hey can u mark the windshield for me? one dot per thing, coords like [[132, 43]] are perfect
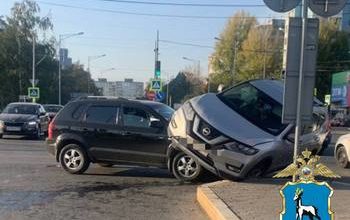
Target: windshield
[[164, 111], [255, 106], [52, 108], [20, 109]]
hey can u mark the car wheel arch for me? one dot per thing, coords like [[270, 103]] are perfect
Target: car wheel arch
[[65, 141], [171, 153]]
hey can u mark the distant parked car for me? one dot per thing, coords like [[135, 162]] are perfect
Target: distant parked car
[[21, 118], [52, 110], [342, 151], [238, 133], [110, 131]]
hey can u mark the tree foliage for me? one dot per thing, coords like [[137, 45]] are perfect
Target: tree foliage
[[17, 33], [333, 55], [229, 42], [261, 54]]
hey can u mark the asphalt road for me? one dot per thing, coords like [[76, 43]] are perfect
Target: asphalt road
[[33, 187]]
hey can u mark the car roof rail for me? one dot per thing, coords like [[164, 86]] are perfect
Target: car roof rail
[[101, 98]]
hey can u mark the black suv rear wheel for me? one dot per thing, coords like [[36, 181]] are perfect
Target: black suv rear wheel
[[73, 159], [185, 168]]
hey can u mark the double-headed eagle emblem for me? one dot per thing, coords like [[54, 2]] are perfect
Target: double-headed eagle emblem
[[307, 166]]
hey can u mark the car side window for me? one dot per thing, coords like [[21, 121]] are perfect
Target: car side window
[[136, 117], [101, 114]]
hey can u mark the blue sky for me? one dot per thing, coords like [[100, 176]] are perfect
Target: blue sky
[[128, 40]]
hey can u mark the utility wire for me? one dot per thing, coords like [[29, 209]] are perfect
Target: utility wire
[[187, 4], [185, 44], [137, 13]]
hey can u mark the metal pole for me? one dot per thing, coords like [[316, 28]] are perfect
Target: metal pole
[[59, 70], [33, 70], [167, 90], [301, 76], [88, 80]]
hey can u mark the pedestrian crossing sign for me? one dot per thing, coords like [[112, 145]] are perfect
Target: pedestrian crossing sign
[[156, 85], [34, 92]]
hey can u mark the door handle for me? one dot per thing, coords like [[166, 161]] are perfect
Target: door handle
[[85, 129]]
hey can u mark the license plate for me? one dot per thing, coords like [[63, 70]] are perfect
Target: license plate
[[11, 128]]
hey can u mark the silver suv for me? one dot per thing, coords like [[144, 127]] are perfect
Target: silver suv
[[238, 132]]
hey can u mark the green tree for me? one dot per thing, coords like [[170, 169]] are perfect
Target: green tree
[[17, 33], [333, 55], [228, 46], [261, 54]]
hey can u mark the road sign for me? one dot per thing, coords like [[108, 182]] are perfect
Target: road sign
[[156, 85], [291, 83], [282, 5], [160, 96], [327, 8], [34, 92], [151, 95]]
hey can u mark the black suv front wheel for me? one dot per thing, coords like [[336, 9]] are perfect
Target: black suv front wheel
[[185, 168], [73, 159]]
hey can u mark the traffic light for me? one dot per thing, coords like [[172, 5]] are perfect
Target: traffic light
[[157, 70]]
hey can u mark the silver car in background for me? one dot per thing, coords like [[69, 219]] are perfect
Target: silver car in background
[[238, 133]]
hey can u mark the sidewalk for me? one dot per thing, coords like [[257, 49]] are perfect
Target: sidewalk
[[260, 199]]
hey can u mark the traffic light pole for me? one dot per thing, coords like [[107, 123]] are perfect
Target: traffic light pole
[[156, 51], [33, 68]]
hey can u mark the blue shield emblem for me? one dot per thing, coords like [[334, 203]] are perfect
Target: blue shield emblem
[[306, 200]]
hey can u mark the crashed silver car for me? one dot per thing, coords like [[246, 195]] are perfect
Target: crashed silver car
[[238, 133]]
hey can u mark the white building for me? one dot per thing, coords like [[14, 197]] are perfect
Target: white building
[[125, 89]]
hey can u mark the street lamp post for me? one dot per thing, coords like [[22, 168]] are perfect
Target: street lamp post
[[195, 61], [91, 58], [60, 39]]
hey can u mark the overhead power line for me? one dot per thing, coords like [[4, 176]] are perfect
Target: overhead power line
[[137, 13], [185, 44], [187, 4]]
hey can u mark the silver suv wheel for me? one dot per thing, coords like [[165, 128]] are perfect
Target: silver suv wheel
[[186, 166], [73, 159]]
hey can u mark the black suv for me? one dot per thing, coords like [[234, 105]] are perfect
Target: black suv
[[109, 131]]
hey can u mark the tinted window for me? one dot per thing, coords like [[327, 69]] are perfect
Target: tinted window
[[52, 108], [164, 111], [78, 112], [135, 117], [255, 106], [101, 114], [21, 109]]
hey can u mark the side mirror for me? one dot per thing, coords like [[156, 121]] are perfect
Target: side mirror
[[155, 123]]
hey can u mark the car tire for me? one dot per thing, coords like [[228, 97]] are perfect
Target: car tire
[[105, 164], [186, 168], [342, 158], [258, 170], [74, 159]]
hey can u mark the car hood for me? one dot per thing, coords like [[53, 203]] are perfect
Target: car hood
[[17, 117], [211, 109]]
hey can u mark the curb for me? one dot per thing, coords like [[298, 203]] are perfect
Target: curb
[[213, 206]]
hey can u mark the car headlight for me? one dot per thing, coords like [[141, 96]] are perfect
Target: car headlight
[[188, 111], [2, 124], [240, 148], [32, 123]]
